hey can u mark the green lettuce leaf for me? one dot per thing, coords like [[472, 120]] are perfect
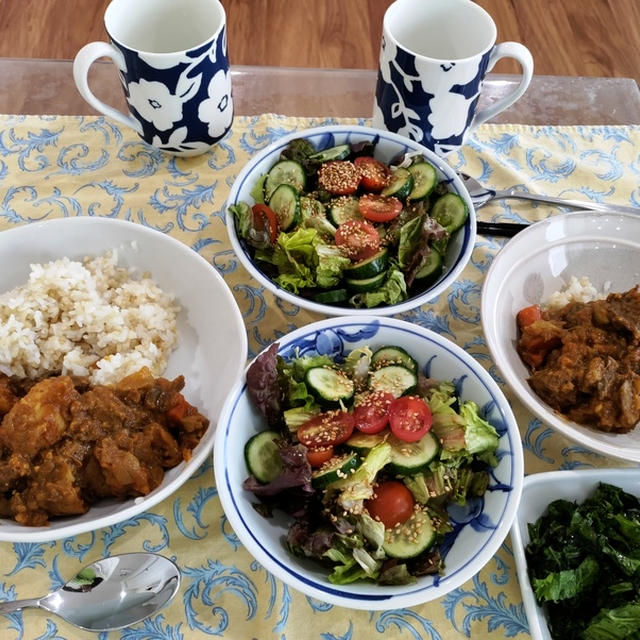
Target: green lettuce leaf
[[568, 583], [615, 624], [331, 264], [358, 486], [257, 192], [295, 257], [242, 214], [479, 435], [410, 238]]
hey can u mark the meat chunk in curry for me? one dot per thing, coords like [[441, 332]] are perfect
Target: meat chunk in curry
[[584, 359], [64, 445]]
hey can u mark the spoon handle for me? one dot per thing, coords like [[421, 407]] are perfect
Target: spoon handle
[[18, 605], [574, 204]]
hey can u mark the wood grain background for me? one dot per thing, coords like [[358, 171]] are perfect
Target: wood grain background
[[566, 37]]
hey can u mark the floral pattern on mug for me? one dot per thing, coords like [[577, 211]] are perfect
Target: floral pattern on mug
[[431, 106], [182, 108], [155, 103], [216, 110]]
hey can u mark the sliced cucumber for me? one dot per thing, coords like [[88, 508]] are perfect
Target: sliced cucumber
[[343, 209], [262, 457], [312, 208], [400, 184], [339, 152], [362, 443], [284, 172], [368, 267], [337, 468], [285, 203], [332, 296], [450, 210], [411, 538], [362, 285], [329, 385], [430, 271], [394, 379], [393, 355], [408, 458], [425, 178]]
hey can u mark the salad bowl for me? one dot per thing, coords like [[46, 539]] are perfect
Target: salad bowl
[[389, 148], [478, 528], [540, 261]]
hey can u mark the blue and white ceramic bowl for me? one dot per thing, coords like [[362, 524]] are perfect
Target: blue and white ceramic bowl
[[480, 529], [388, 146]]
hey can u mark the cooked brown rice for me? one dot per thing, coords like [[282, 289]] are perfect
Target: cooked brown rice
[[89, 318]]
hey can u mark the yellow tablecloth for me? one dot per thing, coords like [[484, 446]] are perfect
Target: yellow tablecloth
[[86, 166]]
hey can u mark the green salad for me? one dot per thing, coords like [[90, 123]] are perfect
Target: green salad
[[366, 455], [584, 565], [338, 226]]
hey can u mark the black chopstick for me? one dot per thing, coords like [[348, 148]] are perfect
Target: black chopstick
[[506, 229]]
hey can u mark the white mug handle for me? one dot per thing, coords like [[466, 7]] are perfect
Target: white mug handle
[[81, 63], [507, 50]]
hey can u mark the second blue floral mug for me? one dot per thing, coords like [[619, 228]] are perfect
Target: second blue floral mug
[[174, 67], [433, 59]]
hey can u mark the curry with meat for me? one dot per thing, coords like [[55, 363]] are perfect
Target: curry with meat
[[584, 359], [65, 444]]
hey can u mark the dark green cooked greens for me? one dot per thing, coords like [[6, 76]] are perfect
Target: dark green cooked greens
[[584, 566]]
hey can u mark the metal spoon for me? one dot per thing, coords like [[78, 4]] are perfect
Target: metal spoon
[[111, 593], [481, 195]]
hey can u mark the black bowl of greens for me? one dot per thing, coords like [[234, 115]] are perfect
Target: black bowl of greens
[[351, 220]]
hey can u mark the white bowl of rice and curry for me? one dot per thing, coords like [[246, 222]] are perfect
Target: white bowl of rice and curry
[[109, 393], [561, 316]]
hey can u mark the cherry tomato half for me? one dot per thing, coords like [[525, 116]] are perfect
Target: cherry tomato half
[[393, 503], [371, 413], [318, 456], [374, 174], [340, 177], [265, 218], [358, 238], [379, 208], [409, 418], [327, 429]]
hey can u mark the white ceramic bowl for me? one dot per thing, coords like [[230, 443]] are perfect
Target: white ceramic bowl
[[388, 146], [212, 337], [535, 263], [539, 490], [473, 547]]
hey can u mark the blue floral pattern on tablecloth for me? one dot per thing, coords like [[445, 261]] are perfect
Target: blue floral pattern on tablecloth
[[86, 166]]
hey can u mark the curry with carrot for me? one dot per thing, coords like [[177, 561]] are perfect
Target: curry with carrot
[[65, 444], [584, 359]]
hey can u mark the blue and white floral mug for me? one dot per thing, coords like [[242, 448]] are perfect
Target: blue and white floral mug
[[172, 60], [433, 59]]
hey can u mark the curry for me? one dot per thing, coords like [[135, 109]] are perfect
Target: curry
[[584, 359], [65, 444]]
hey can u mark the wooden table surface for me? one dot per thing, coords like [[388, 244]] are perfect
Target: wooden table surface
[[595, 38]]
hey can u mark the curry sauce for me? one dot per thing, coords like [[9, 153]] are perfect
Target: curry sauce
[[584, 359], [65, 444]]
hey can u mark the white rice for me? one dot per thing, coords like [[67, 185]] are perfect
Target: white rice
[[577, 290], [89, 318]]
